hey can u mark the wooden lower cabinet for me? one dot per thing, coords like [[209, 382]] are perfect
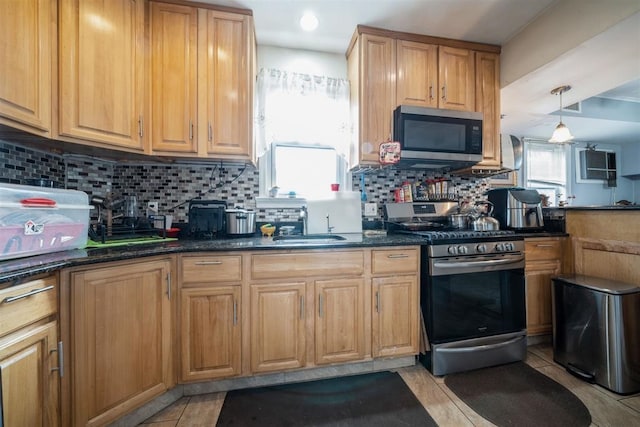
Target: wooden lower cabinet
[[543, 260], [120, 350], [210, 332], [395, 316], [339, 320], [29, 378], [278, 326]]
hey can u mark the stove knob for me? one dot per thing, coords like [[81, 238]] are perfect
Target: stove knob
[[500, 247], [481, 248], [462, 250], [452, 250], [508, 246]]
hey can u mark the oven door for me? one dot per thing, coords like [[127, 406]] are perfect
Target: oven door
[[475, 296]]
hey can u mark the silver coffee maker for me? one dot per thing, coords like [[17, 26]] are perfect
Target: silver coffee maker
[[517, 208]]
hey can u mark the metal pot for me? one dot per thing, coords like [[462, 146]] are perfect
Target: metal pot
[[460, 220], [240, 221]]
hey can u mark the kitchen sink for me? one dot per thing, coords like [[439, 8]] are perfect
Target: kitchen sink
[[309, 239]]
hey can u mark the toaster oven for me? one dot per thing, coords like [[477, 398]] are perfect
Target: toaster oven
[[206, 218]]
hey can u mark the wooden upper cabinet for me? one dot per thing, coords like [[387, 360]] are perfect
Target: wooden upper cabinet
[[456, 78], [488, 103], [174, 60], [27, 40], [417, 78], [372, 72], [102, 71], [224, 76]]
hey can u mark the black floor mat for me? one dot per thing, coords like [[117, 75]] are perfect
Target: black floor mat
[[377, 399], [518, 395]]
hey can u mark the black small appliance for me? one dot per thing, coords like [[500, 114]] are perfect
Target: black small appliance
[[206, 218]]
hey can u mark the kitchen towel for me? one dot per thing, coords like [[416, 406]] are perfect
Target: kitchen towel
[[378, 399], [517, 395]]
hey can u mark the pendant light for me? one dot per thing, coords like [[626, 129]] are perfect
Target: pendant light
[[561, 134]]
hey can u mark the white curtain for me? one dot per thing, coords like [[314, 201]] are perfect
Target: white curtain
[[301, 108]]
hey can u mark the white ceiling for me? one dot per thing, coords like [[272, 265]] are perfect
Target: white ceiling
[[607, 64]]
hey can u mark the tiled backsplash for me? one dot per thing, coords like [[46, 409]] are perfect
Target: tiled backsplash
[[174, 185]]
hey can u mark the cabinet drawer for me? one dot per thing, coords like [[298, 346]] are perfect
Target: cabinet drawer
[[211, 268], [542, 249], [388, 261], [303, 264], [27, 303]]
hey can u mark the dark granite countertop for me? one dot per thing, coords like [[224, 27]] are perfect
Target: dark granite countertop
[[24, 267]]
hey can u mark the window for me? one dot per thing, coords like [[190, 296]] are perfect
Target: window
[[302, 133], [546, 170]]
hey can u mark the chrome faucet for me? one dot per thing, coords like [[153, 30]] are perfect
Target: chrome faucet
[[329, 227], [303, 217]]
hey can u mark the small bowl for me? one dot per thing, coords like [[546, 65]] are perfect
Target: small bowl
[[268, 230], [172, 232]]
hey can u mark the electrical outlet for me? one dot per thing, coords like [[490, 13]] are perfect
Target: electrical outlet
[[370, 209], [153, 206]]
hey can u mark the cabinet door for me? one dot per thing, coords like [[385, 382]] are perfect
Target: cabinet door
[[538, 281], [456, 78], [26, 36], [210, 332], [225, 110], [174, 32], [395, 323], [339, 320], [102, 71], [29, 385], [417, 82], [488, 103], [378, 94], [277, 327], [121, 349]]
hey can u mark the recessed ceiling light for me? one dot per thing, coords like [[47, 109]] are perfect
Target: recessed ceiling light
[[309, 22]]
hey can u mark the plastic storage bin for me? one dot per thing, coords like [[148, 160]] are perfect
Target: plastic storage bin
[[37, 220], [596, 330]]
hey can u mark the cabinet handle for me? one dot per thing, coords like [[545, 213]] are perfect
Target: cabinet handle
[[235, 312], [169, 285], [210, 132], [319, 305], [27, 294], [544, 246], [394, 256], [431, 92], [208, 263], [190, 129], [140, 125], [444, 93], [377, 302], [60, 367], [301, 307]]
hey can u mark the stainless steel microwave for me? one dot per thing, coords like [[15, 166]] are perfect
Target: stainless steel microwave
[[433, 138]]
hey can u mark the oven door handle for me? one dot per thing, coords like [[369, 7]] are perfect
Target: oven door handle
[[488, 263], [480, 347]]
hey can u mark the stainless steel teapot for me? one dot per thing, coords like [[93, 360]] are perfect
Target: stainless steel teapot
[[480, 220]]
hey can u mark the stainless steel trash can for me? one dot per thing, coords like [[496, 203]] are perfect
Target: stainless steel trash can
[[596, 330]]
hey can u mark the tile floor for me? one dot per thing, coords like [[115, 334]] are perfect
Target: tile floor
[[606, 408]]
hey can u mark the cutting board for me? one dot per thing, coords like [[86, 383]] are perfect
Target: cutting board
[[344, 210]]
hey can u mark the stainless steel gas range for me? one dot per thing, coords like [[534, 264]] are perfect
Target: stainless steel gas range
[[472, 292]]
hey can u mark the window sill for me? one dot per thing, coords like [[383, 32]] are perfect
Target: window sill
[[279, 202]]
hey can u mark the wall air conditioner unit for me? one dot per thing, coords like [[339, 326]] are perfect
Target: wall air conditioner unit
[[598, 165]]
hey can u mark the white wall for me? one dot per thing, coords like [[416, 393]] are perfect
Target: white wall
[[303, 61], [597, 193]]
